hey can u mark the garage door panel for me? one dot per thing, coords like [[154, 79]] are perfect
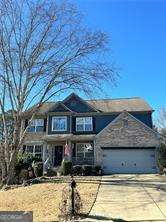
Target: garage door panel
[[129, 161]]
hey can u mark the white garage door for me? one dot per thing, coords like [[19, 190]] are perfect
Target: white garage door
[[129, 161]]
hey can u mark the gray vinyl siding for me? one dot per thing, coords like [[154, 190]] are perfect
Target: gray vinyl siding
[[99, 122]]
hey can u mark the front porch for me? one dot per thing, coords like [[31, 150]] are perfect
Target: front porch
[[81, 150]]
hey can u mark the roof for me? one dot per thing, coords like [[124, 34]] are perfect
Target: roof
[[135, 104], [44, 108], [63, 137]]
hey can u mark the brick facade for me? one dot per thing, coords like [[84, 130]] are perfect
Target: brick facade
[[124, 131]]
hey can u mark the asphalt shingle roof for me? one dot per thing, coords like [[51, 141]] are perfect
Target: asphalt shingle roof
[[119, 105], [135, 104]]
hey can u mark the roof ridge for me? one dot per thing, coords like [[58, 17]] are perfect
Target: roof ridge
[[137, 97]]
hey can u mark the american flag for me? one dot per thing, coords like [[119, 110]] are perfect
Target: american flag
[[67, 150]]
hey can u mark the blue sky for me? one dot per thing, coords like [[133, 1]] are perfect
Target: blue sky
[[138, 45]]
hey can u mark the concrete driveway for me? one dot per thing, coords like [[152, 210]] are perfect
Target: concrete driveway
[[130, 198]]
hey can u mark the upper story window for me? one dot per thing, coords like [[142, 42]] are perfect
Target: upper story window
[[59, 123], [36, 125], [84, 124]]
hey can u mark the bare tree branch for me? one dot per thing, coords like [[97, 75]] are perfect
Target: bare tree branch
[[44, 49]]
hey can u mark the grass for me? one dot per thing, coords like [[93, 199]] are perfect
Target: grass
[[43, 199]]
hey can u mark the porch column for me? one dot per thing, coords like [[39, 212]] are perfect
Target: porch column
[[70, 145], [50, 153], [45, 152]]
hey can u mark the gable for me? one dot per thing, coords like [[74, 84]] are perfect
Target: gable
[[127, 131], [77, 104]]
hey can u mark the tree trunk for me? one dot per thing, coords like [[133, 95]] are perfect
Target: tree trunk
[[11, 169], [3, 165], [4, 172]]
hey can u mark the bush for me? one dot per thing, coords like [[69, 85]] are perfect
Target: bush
[[97, 170], [87, 170], [25, 160], [77, 170], [51, 173], [38, 169], [23, 175], [66, 167], [162, 157]]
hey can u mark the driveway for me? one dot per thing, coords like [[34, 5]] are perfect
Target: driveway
[[130, 198]]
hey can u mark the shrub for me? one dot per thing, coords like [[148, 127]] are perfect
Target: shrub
[[97, 169], [23, 175], [31, 173], [38, 169], [66, 167], [77, 170], [162, 157], [51, 173], [87, 170], [25, 160]]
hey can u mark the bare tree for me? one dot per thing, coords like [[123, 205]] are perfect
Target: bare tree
[[44, 49], [161, 121]]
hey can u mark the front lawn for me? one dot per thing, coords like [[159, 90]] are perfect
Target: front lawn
[[43, 199]]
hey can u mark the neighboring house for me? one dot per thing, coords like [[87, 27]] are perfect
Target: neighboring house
[[114, 133]]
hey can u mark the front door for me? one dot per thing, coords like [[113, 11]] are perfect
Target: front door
[[58, 155]]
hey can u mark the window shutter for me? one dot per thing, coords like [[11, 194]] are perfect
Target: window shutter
[[94, 124], [45, 124], [74, 124], [26, 123], [74, 150]]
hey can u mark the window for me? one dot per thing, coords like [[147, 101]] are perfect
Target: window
[[36, 125], [36, 150], [29, 149], [59, 123], [84, 124], [84, 150]]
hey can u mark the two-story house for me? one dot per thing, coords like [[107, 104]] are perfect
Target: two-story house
[[114, 133]]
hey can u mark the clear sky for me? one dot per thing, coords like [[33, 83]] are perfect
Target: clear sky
[[138, 43]]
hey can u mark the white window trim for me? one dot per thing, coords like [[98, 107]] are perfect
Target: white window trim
[[84, 148], [84, 130], [34, 146], [35, 125], [57, 117]]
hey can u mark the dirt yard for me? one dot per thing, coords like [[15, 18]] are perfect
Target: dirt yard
[[43, 199]]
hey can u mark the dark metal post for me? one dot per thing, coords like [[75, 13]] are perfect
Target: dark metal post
[[72, 201], [73, 186]]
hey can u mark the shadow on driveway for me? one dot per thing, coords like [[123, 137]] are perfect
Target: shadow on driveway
[[104, 218]]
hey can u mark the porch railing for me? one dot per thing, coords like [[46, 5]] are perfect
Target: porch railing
[[83, 161]]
